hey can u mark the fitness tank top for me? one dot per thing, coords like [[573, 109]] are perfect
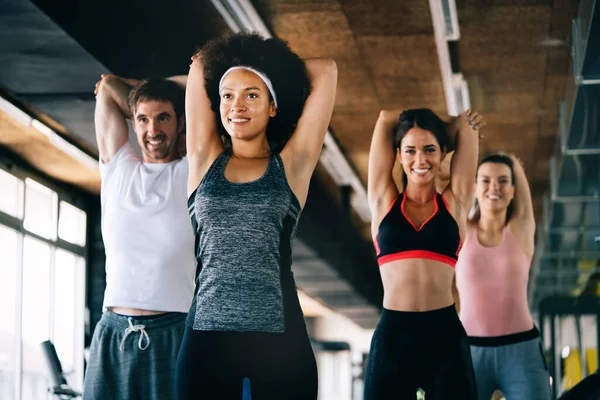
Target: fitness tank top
[[492, 283], [244, 233]]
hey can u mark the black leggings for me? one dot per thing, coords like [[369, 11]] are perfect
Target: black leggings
[[427, 350], [214, 365]]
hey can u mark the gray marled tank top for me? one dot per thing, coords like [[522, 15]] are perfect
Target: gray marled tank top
[[243, 244]]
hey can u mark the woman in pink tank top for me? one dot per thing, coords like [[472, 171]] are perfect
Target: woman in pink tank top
[[492, 273]]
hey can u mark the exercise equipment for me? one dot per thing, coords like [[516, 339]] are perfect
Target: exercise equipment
[[59, 386]]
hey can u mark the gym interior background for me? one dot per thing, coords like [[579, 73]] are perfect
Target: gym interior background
[[532, 67]]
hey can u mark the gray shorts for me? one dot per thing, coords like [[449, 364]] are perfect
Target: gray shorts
[[130, 362], [513, 364]]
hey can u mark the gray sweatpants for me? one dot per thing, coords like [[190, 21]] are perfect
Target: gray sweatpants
[[124, 365], [518, 370]]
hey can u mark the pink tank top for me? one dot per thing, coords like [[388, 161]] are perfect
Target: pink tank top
[[492, 283]]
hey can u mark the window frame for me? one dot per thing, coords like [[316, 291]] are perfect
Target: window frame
[[68, 193], [76, 197]]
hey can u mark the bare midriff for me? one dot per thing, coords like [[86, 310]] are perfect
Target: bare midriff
[[417, 285], [134, 312]]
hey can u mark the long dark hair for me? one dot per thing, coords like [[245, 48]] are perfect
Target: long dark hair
[[497, 158], [422, 118]]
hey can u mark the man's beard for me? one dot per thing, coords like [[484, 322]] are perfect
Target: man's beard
[[164, 151]]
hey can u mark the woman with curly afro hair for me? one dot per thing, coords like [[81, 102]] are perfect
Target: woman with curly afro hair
[[256, 120]]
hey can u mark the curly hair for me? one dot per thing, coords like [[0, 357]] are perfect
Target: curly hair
[[422, 118], [272, 57]]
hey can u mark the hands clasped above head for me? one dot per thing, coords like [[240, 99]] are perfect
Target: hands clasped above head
[[472, 118], [476, 120], [108, 77]]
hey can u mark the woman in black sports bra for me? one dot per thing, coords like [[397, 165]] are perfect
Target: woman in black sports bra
[[420, 342]]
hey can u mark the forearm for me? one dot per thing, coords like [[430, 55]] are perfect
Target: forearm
[[452, 133], [180, 80], [382, 155], [384, 129], [466, 149], [522, 201], [382, 144], [463, 165], [453, 128], [320, 68], [391, 118], [197, 102], [456, 125], [117, 91], [201, 128], [110, 125]]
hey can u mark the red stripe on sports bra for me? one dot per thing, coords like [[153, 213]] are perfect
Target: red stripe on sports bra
[[430, 255], [435, 202]]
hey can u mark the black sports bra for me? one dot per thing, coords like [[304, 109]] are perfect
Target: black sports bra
[[438, 238]]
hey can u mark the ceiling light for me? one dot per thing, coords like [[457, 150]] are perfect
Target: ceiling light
[[15, 112], [445, 28], [54, 138]]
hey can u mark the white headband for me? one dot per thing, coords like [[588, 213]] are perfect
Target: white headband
[[262, 76]]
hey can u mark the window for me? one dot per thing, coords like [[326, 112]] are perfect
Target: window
[[40, 209], [42, 289], [71, 224], [11, 201], [66, 276], [9, 245], [35, 323]]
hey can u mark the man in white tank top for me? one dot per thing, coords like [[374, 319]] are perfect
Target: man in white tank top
[[149, 242]]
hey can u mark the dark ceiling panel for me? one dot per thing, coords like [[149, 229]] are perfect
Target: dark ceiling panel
[[138, 39], [36, 56]]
